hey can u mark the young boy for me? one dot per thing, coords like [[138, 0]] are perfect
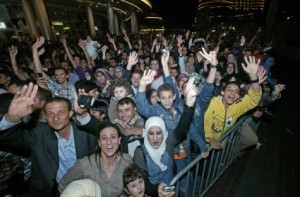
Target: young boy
[[134, 183], [133, 180]]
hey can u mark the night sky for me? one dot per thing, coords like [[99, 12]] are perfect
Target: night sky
[[181, 13]]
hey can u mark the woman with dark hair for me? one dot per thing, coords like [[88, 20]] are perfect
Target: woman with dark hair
[[105, 166]]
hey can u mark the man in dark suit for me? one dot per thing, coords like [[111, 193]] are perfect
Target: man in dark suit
[[54, 146]]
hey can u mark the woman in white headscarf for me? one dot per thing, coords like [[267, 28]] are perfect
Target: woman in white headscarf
[[155, 156], [82, 187]]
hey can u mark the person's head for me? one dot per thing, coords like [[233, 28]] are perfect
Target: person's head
[[5, 77], [155, 134], [181, 79], [230, 57], [76, 59], [89, 87], [113, 62], [136, 78], [230, 68], [16, 85], [58, 113], [154, 64], [121, 88], [61, 75], [41, 98], [133, 181], [82, 187], [100, 110], [83, 63], [65, 64], [102, 76], [218, 76], [5, 100], [111, 70], [119, 70], [166, 95], [151, 96], [230, 93], [189, 67], [109, 140], [126, 109], [174, 72]]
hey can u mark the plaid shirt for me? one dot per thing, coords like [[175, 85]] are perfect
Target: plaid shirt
[[58, 90]]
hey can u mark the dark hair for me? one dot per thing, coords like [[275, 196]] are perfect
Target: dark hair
[[19, 83], [5, 100], [86, 85], [132, 173], [100, 106], [58, 99], [101, 127], [148, 95], [126, 100], [44, 95], [232, 82], [61, 68], [165, 87]]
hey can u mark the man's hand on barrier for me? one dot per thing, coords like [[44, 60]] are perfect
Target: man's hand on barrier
[[205, 154], [162, 193], [214, 143]]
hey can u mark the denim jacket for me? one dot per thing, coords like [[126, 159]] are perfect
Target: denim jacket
[[146, 110], [196, 132]]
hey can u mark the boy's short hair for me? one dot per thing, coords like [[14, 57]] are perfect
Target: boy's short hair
[[132, 173], [165, 87]]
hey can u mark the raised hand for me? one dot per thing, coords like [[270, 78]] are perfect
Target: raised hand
[[190, 93], [261, 74], [211, 57], [278, 88], [252, 65], [13, 51], [22, 103], [39, 42], [41, 51], [79, 110], [132, 60], [148, 77], [81, 44]]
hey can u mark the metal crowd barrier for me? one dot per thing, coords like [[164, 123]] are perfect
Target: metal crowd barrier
[[201, 173]]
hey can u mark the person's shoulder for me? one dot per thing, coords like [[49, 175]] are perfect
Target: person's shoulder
[[126, 157]]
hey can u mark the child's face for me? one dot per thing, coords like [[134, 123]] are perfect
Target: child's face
[[166, 98], [120, 92], [136, 188]]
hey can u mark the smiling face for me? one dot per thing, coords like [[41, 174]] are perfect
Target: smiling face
[[58, 115], [136, 188], [230, 94], [61, 76], [109, 141], [155, 136], [166, 98], [126, 112], [120, 92]]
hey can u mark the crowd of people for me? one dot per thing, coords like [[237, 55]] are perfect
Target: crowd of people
[[148, 105]]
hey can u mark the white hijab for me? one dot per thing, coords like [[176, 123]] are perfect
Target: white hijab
[[156, 154], [82, 187]]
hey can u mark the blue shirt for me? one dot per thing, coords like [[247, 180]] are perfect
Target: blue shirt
[[66, 154]]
